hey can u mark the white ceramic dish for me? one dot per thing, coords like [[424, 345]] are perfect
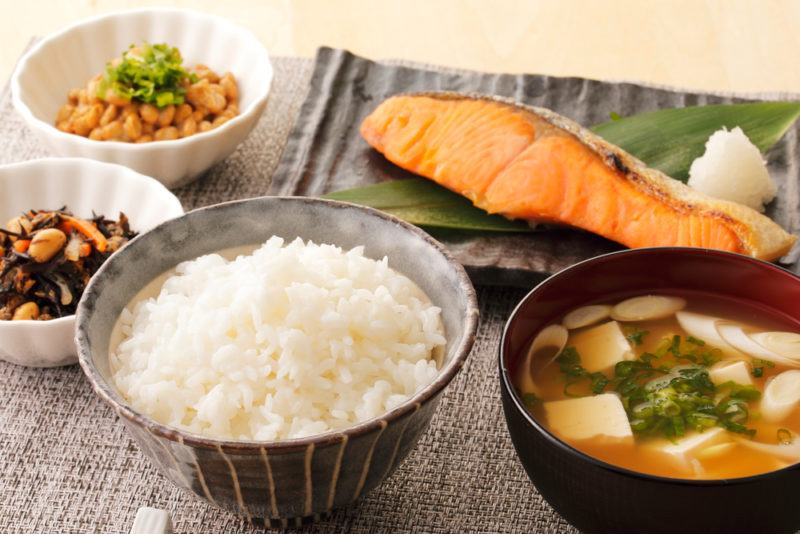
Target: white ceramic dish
[[69, 58], [82, 185]]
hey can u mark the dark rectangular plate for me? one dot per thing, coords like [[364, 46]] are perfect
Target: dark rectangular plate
[[325, 152]]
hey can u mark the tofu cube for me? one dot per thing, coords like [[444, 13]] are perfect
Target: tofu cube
[[601, 347], [683, 453], [737, 371], [590, 417]]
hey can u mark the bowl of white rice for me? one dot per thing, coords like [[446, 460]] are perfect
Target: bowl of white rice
[[279, 357]]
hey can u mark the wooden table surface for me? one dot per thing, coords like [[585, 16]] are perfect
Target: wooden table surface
[[742, 45]]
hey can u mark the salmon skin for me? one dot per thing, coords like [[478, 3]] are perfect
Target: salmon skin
[[530, 163]]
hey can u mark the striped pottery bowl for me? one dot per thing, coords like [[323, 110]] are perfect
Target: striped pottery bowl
[[294, 481]]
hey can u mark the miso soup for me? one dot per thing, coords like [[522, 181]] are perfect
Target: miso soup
[[682, 386]]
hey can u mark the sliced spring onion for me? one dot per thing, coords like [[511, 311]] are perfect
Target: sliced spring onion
[[647, 307], [554, 337], [786, 452], [735, 335], [781, 396], [785, 436], [787, 344], [703, 327], [586, 316]]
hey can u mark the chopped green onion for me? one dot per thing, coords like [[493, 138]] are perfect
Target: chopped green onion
[[644, 410], [738, 428], [647, 357], [662, 348], [675, 347], [636, 336], [640, 425], [152, 74], [669, 408], [763, 363], [569, 362], [530, 399], [694, 341], [568, 385], [678, 426], [599, 382], [701, 421], [662, 398], [711, 357], [738, 391], [785, 436]]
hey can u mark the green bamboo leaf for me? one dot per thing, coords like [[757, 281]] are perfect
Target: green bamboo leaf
[[424, 203], [670, 139]]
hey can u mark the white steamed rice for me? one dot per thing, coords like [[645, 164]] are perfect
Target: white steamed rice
[[290, 341]]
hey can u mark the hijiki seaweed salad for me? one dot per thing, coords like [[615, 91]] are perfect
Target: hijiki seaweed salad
[[48, 257]]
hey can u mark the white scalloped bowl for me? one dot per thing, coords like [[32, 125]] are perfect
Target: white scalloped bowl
[[69, 58], [83, 186]]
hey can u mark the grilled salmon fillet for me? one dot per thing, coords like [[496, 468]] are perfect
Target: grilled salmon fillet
[[531, 163]]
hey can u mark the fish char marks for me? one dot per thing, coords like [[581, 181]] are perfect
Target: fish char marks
[[530, 163]]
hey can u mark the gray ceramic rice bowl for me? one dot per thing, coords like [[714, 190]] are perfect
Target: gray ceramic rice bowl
[[293, 481]]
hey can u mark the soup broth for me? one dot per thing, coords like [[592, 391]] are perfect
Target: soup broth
[[679, 386]]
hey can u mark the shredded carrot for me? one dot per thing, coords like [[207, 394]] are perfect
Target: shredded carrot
[[21, 245], [88, 229], [85, 250]]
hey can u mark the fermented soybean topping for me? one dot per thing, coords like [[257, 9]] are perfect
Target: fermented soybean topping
[[48, 257]]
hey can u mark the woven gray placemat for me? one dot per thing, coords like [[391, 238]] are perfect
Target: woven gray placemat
[[68, 466]]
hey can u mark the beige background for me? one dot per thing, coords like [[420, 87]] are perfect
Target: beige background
[[743, 45], [67, 464]]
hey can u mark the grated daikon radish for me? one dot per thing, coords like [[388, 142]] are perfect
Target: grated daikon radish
[[732, 169]]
